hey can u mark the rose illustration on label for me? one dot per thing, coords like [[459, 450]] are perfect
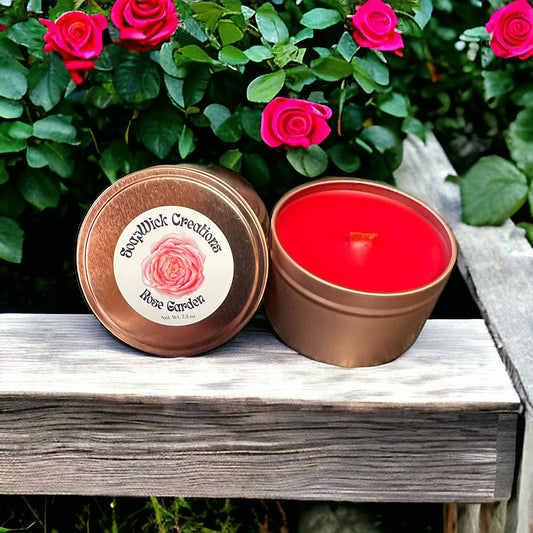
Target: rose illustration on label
[[175, 266]]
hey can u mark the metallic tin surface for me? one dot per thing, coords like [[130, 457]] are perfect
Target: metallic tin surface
[[341, 326], [197, 209]]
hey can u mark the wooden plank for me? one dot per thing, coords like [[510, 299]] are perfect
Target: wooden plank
[[497, 264], [89, 415]]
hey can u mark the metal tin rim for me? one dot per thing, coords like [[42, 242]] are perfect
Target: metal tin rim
[[316, 285]]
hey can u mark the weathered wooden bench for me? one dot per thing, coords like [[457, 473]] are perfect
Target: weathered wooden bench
[[81, 413]]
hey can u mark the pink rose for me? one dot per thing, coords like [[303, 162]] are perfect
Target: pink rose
[[174, 267], [77, 38], [511, 28], [144, 24], [294, 122], [3, 27], [374, 26]]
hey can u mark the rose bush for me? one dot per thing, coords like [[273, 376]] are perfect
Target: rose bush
[[77, 38], [144, 24], [193, 91], [480, 104], [374, 26], [293, 122], [497, 180], [175, 266]]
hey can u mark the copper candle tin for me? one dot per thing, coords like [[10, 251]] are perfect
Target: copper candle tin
[[342, 326], [173, 260]]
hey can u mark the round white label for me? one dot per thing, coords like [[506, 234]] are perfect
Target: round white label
[[173, 265]]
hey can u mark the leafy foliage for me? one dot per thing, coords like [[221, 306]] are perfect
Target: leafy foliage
[[196, 99], [479, 105]]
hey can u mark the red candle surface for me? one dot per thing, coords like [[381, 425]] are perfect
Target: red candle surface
[[362, 240]]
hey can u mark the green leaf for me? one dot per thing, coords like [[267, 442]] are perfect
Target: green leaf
[[320, 18], [56, 128], [258, 53], [528, 227], [117, 160], [136, 78], [388, 145], [230, 130], [345, 157], [303, 35], [159, 128], [394, 104], [310, 162], [423, 13], [331, 68], [232, 56], [100, 97], [496, 83], [14, 78], [196, 83], [209, 13], [492, 190], [475, 34], [323, 51], [352, 119], [7, 143], [104, 62], [10, 108], [38, 188], [60, 7], [251, 122], [29, 34], [232, 159], [247, 12], [47, 82], [381, 138], [217, 114], [347, 47], [191, 27], [186, 143], [370, 72], [11, 240], [175, 90], [519, 139], [256, 170], [225, 126], [229, 32], [20, 130], [165, 58], [58, 157], [270, 24], [265, 87], [298, 77], [414, 126], [523, 95], [195, 53], [35, 157], [285, 53]]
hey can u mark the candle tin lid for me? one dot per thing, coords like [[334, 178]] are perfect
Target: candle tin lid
[[173, 260]]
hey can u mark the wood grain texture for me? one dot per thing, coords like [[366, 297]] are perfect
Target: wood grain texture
[[81, 413]]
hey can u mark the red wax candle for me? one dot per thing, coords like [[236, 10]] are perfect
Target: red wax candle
[[362, 240]]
